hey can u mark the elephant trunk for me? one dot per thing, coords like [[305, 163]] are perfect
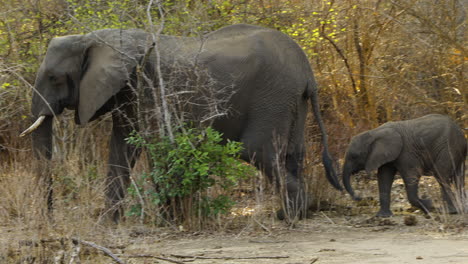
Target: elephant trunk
[[42, 137], [42, 148], [347, 182], [326, 158]]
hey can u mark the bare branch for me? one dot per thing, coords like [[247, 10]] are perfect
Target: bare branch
[[162, 87], [98, 247], [229, 258], [156, 257]]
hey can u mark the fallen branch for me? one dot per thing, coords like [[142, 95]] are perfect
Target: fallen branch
[[98, 247], [328, 218], [156, 257], [262, 226], [259, 241], [228, 258]]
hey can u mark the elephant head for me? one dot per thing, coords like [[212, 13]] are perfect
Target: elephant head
[[368, 151], [80, 72]]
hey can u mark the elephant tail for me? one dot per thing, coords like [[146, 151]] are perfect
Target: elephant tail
[[326, 157], [460, 181]]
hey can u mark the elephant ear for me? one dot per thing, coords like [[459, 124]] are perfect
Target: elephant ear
[[385, 148], [106, 73]]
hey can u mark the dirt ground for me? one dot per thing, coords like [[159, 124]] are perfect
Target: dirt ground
[[321, 240], [347, 233], [341, 244], [324, 238]]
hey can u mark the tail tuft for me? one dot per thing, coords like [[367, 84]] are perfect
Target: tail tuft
[[330, 171]]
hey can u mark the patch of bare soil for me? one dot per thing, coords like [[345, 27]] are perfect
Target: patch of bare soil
[[325, 238], [343, 232]]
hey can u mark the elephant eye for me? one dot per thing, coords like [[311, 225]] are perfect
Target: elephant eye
[[52, 78]]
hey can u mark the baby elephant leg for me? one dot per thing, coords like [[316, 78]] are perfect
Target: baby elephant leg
[[385, 177], [412, 184], [450, 177]]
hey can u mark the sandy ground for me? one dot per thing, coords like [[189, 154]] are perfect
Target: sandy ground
[[349, 235], [320, 241]]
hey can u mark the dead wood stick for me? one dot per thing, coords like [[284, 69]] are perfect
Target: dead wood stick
[[328, 218], [267, 241], [226, 257], [98, 247], [156, 257]]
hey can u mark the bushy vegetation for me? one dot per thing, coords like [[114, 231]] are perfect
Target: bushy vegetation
[[190, 178]]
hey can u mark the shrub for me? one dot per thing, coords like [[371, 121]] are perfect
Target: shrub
[[190, 178]]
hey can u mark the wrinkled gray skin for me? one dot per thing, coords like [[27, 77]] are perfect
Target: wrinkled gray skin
[[267, 70], [429, 145]]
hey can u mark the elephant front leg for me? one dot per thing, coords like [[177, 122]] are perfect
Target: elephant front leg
[[386, 175], [117, 177], [122, 157]]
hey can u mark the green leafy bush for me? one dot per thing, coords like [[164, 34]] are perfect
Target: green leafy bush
[[191, 177]]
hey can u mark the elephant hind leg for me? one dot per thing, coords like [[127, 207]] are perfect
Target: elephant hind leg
[[411, 180], [449, 198], [452, 194], [295, 203], [283, 170], [450, 176]]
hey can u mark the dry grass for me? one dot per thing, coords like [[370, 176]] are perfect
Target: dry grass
[[29, 235]]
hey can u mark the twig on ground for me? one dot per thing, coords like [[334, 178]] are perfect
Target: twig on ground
[[156, 257], [98, 247], [262, 225], [328, 218], [259, 241], [226, 257]]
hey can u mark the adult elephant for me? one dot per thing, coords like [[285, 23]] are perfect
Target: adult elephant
[[268, 76], [429, 144]]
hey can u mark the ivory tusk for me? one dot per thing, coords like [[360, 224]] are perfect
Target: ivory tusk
[[33, 126]]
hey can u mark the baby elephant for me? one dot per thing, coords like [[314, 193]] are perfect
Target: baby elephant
[[430, 144]]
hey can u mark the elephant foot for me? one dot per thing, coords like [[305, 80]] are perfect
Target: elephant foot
[[426, 205], [384, 213], [114, 213], [280, 214], [291, 215], [452, 210]]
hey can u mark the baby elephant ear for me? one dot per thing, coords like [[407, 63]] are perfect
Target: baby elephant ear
[[107, 71], [385, 148]]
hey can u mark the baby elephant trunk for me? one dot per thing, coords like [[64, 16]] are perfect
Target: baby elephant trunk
[[347, 183]]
